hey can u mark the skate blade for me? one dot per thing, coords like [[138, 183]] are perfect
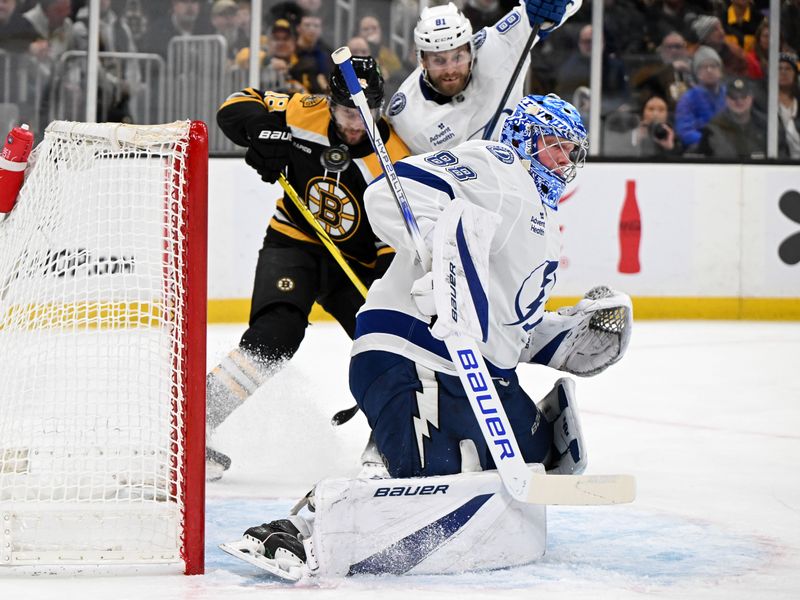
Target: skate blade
[[283, 569]]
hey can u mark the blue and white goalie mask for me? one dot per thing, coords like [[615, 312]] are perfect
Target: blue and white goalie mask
[[548, 135]]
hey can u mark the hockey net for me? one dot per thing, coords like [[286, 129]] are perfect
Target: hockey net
[[102, 349]]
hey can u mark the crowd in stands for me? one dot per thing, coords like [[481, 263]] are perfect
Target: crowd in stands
[[680, 77]]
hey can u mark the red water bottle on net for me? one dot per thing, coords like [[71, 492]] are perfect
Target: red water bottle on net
[[13, 160], [630, 231]]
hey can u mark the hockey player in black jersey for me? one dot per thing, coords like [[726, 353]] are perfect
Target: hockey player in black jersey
[[321, 144]]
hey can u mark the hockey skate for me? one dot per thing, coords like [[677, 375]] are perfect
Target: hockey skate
[[216, 464], [568, 453], [275, 547]]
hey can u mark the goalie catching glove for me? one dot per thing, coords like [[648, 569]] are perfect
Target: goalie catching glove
[[584, 339], [270, 145]]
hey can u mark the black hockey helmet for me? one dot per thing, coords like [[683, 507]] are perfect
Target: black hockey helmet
[[367, 70]]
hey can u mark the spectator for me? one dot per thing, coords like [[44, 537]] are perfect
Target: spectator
[[370, 29], [574, 73], [671, 76], [358, 46], [182, 20], [788, 113], [50, 19], [136, 19], [116, 78], [697, 106], [281, 58], [651, 135], [709, 32], [313, 57], [737, 131], [757, 56], [225, 22], [741, 23], [16, 32], [244, 15]]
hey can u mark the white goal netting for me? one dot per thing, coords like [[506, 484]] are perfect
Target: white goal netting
[[93, 348]]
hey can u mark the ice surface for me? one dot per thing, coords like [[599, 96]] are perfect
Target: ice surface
[[705, 414]]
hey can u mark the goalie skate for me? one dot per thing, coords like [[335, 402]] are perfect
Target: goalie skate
[[276, 539], [287, 568]]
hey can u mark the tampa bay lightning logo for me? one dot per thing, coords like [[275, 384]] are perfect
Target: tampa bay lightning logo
[[530, 298], [479, 38], [396, 104], [502, 153]]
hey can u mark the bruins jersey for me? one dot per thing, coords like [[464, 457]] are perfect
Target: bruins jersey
[[336, 199]]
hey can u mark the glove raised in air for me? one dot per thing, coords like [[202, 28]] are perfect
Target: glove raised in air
[[548, 14], [270, 146]]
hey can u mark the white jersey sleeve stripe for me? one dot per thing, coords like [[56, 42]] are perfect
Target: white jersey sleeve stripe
[[424, 177], [406, 331]]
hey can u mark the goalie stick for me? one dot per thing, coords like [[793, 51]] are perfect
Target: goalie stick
[[521, 483]]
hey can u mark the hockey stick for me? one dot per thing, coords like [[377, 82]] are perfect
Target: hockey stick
[[517, 477], [487, 131], [322, 234]]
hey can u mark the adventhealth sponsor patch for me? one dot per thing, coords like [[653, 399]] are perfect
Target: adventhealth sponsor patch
[[502, 153], [396, 104], [511, 19]]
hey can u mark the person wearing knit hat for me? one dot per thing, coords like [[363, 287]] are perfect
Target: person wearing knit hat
[[698, 105], [710, 33], [704, 56], [706, 26]]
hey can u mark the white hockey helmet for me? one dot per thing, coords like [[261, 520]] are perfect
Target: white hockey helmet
[[442, 28]]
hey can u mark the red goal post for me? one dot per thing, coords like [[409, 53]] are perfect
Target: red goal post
[[102, 349]]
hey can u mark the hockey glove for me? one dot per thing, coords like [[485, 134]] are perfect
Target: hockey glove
[[548, 14], [270, 145], [584, 339]]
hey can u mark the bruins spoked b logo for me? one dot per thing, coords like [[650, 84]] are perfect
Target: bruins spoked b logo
[[333, 206], [285, 284]]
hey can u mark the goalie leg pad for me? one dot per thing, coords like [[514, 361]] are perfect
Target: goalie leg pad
[[427, 525], [568, 454]]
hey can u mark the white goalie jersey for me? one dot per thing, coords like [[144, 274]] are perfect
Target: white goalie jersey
[[426, 123], [523, 254]]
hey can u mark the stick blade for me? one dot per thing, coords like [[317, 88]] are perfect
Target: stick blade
[[581, 490]]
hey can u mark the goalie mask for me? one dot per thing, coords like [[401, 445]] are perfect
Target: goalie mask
[[548, 135], [442, 29]]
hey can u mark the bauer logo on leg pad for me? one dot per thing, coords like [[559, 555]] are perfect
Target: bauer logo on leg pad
[[402, 490]]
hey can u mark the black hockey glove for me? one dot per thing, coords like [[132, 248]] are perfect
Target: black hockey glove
[[546, 13], [270, 145]]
